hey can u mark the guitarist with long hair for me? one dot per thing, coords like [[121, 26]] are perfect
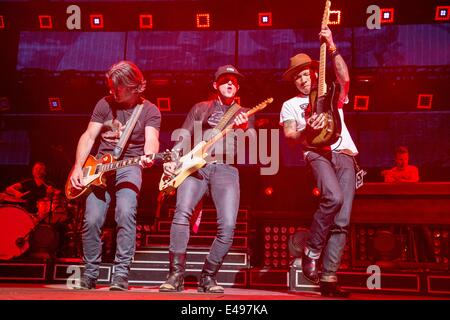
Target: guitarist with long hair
[[218, 176], [108, 122], [332, 164]]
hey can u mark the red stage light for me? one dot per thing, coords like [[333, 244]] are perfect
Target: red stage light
[[54, 104], [387, 15], [146, 21], [45, 22], [203, 20], [96, 21], [265, 19], [2, 22], [442, 13], [268, 191], [361, 103], [335, 17], [316, 192], [424, 101], [163, 104]]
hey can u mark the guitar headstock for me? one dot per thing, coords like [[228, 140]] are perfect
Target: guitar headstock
[[326, 13], [262, 105]]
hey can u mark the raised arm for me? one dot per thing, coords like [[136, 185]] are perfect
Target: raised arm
[[339, 65]]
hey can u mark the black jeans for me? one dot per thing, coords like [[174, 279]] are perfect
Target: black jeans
[[223, 181], [334, 174]]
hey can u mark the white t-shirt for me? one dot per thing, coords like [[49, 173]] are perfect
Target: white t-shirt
[[294, 109]]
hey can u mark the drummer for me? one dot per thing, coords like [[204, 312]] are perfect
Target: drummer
[[28, 192]]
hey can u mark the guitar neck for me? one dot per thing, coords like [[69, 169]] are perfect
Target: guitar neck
[[322, 64], [321, 89], [222, 133], [125, 163]]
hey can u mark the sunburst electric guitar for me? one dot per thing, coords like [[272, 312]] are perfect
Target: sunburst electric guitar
[[94, 171], [195, 159]]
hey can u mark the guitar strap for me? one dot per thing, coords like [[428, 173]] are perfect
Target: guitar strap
[[118, 149], [227, 117]]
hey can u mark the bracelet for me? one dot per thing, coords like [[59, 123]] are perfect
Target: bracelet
[[334, 53], [332, 49]]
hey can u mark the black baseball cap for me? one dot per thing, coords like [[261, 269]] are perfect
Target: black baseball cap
[[227, 69]]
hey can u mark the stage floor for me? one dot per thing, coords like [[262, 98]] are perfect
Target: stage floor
[[15, 291]]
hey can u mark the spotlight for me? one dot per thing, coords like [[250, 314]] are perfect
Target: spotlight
[[203, 20], [146, 21], [387, 15], [424, 101], [45, 22], [2, 22], [268, 191], [54, 104], [316, 192], [442, 13], [265, 19], [96, 21], [361, 103], [163, 104], [335, 17]]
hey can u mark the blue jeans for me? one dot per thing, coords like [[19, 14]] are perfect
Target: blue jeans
[[334, 174], [126, 183], [223, 182]]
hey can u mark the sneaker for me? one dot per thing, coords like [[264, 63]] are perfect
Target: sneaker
[[119, 283], [86, 283]]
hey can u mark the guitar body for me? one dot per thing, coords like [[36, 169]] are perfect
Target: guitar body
[[188, 164], [327, 104], [90, 176]]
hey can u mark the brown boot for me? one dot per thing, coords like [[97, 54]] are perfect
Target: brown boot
[[175, 279]]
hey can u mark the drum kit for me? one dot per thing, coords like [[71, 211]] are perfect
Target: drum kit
[[55, 230]]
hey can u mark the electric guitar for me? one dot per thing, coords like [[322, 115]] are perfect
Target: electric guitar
[[324, 102], [94, 170], [195, 159]]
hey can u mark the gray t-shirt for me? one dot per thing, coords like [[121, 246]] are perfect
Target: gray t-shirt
[[111, 114]]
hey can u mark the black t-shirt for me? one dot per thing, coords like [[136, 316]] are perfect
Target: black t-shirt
[[209, 113], [35, 193], [108, 113]]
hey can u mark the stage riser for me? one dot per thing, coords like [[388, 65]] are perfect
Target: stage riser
[[163, 241], [161, 257], [211, 214], [205, 228], [156, 275]]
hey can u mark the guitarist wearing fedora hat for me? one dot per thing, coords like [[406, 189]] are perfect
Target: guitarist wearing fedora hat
[[332, 164]]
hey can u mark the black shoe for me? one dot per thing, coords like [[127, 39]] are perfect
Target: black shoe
[[332, 289], [119, 283], [86, 283], [310, 269], [208, 283]]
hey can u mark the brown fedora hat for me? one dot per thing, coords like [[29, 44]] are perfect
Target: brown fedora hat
[[298, 62]]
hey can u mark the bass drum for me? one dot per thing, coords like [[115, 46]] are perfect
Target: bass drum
[[16, 225]]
